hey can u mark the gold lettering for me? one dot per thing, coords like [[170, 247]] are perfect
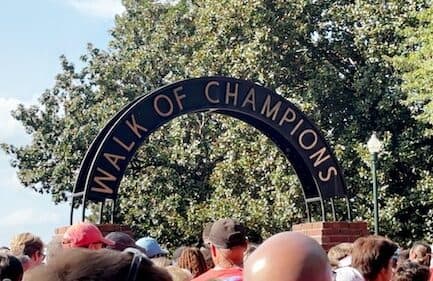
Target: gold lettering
[[296, 127], [179, 97], [103, 188], [251, 99], [301, 139], [122, 144], [285, 119], [113, 158], [320, 154], [135, 127], [273, 111], [206, 91], [331, 171], [233, 95], [158, 110]]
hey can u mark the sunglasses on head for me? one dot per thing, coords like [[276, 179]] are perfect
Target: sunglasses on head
[[136, 261]]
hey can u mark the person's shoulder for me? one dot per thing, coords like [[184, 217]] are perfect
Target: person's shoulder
[[348, 273]]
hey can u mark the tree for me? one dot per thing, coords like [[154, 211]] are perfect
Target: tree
[[331, 58], [415, 64]]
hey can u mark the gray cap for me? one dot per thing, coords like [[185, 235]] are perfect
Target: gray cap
[[122, 241]]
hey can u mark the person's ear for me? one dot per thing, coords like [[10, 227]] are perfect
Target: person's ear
[[35, 256]]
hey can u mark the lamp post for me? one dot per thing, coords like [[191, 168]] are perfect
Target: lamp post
[[374, 147]]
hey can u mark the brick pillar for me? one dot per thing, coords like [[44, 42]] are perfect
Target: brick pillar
[[330, 233], [104, 228]]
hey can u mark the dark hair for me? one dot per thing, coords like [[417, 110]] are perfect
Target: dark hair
[[81, 264], [10, 268], [411, 271], [372, 253], [192, 259]]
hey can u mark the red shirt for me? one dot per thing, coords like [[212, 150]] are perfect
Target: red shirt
[[220, 274]]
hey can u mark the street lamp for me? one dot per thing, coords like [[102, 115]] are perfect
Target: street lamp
[[374, 147]]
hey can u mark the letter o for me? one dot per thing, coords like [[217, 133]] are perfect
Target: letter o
[[158, 110], [301, 139]]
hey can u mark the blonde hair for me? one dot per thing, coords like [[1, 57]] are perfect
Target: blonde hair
[[161, 261], [339, 252], [179, 274], [26, 244]]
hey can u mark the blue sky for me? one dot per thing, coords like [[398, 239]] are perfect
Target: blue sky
[[33, 36]]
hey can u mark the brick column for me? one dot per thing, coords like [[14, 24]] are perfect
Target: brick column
[[104, 228], [332, 233]]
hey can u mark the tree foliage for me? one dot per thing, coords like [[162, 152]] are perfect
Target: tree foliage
[[331, 58], [416, 65]]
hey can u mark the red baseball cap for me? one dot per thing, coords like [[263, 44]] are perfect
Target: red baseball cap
[[84, 234]]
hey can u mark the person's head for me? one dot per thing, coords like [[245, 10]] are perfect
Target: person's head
[[25, 261], [339, 252], [177, 253], [192, 259], [403, 255], [162, 261], [372, 256], [10, 268], [411, 271], [5, 250], [27, 244], [79, 264], [121, 241], [151, 247], [179, 274], [84, 235], [288, 256], [228, 243], [420, 253]]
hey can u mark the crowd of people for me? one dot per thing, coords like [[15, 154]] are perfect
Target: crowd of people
[[82, 253]]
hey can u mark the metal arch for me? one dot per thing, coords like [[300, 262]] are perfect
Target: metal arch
[[311, 190]]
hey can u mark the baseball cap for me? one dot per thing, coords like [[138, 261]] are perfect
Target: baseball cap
[[83, 234], [121, 240], [227, 233], [151, 247]]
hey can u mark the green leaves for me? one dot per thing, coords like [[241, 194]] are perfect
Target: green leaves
[[334, 59]]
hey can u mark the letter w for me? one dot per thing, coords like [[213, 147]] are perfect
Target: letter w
[[103, 188]]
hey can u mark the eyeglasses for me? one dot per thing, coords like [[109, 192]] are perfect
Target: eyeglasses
[[41, 255]]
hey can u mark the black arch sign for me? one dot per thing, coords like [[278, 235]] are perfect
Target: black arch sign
[[302, 143]]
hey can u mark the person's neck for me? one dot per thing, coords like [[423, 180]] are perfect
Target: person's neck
[[224, 264]]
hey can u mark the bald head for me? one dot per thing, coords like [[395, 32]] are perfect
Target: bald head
[[288, 256]]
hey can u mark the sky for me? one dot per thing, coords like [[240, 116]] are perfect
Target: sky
[[33, 35]]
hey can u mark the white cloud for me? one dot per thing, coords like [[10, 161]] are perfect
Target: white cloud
[[10, 129], [99, 8], [28, 217]]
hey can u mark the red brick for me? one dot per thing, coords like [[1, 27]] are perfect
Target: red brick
[[105, 229]]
